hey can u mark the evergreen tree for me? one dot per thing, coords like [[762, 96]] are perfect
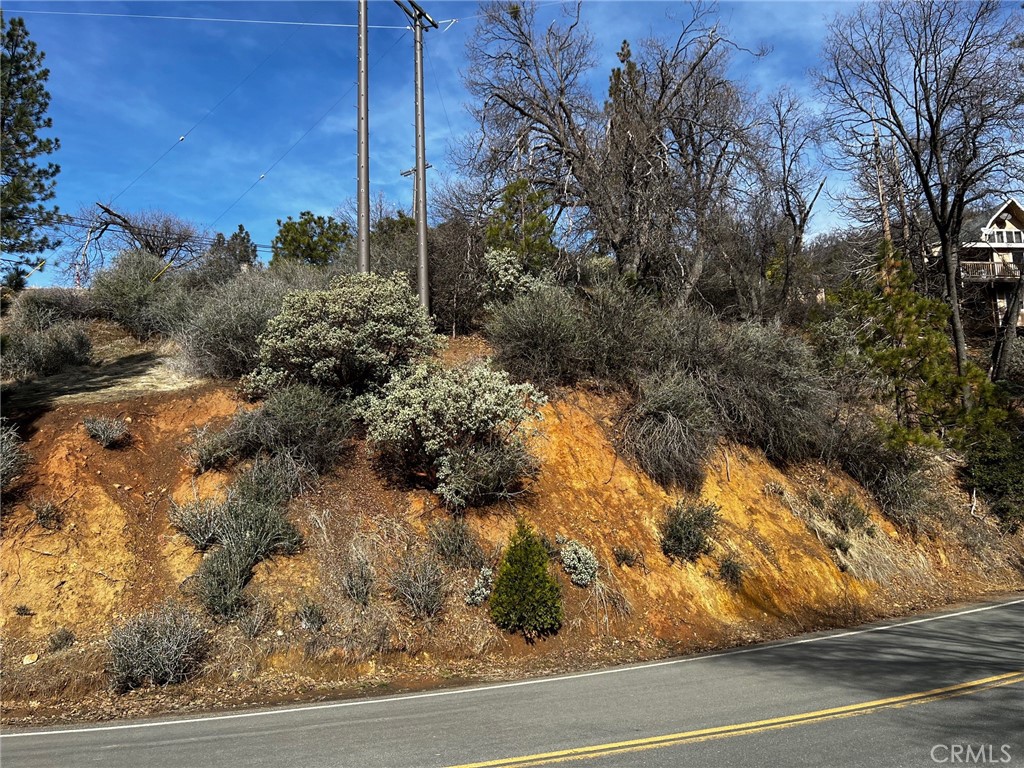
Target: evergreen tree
[[903, 336], [526, 596], [25, 184], [316, 240], [521, 223]]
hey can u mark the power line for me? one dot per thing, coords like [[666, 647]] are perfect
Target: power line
[[200, 18], [304, 135], [209, 112]]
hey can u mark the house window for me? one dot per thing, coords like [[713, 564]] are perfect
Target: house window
[[999, 237], [1015, 237]]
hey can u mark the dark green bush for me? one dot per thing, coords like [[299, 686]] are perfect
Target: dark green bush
[[301, 422], [526, 596], [731, 570], [108, 432], [49, 515], [625, 556], [272, 480], [461, 431], [311, 615], [995, 466], [219, 582], [13, 457], [350, 338], [670, 430], [686, 530], [455, 543], [249, 526], [359, 577], [893, 474], [132, 295], [166, 645]]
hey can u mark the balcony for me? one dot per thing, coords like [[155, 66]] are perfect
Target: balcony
[[985, 271]]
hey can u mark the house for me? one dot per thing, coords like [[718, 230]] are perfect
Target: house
[[992, 255]]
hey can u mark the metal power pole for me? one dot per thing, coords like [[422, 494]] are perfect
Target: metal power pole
[[418, 17], [363, 193]]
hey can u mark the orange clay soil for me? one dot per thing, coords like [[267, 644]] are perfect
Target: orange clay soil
[[116, 555]]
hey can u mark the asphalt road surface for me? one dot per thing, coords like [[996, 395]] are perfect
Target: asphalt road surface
[[937, 689]]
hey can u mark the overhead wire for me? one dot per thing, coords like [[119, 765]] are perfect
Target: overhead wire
[[304, 135], [209, 112], [201, 18]]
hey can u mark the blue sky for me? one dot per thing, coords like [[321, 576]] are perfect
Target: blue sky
[[125, 89]]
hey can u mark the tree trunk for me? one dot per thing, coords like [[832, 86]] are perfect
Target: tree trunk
[[950, 263], [1003, 350]]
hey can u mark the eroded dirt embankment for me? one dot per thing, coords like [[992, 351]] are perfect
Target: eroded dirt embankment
[[116, 554]]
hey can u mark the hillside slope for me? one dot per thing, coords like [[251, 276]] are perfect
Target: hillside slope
[[117, 554]]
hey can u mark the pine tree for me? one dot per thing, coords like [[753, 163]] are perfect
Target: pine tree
[[317, 240], [903, 336], [526, 596], [25, 183]]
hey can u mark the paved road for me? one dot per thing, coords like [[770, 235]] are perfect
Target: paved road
[[938, 689]]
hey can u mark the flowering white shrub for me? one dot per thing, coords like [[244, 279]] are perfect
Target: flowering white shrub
[[506, 276], [579, 562], [349, 338], [481, 588], [461, 430]]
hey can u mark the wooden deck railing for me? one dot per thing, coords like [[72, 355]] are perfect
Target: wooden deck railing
[[989, 270]]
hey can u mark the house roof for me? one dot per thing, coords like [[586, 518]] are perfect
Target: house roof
[[971, 230]]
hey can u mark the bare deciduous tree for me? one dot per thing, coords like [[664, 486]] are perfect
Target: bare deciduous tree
[[940, 82]]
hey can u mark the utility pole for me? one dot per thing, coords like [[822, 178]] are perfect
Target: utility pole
[[363, 193], [418, 16]]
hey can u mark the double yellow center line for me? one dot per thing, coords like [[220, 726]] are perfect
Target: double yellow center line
[[757, 726]]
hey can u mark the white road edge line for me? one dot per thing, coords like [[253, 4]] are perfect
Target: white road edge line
[[516, 684]]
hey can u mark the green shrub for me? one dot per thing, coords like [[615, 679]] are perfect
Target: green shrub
[[350, 338], [249, 526], [272, 480], [455, 543], [894, 474], [579, 562], [43, 351], [625, 556], [108, 432], [13, 457], [996, 468], [198, 520], [526, 597], [686, 530], [419, 584], [42, 308], [461, 429], [219, 582], [671, 430], [49, 515], [731, 570], [769, 393], [220, 337], [540, 336], [358, 578], [166, 645], [299, 421], [60, 640], [131, 294], [311, 615], [847, 513]]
